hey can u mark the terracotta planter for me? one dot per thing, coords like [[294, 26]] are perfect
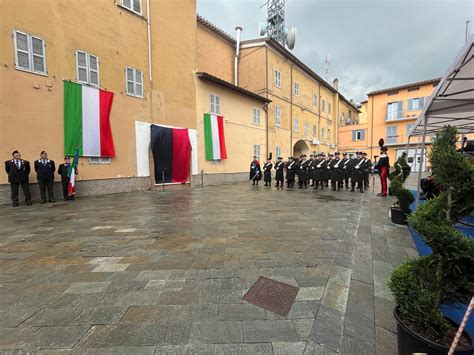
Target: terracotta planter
[[410, 342]]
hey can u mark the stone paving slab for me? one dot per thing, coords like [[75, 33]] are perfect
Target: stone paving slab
[[152, 272]]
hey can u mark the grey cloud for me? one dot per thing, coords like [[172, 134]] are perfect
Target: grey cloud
[[373, 44]]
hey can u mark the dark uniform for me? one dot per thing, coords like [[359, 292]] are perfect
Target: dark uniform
[[45, 169], [320, 171], [63, 171], [346, 169], [383, 167], [255, 171], [368, 163], [18, 171], [311, 167], [267, 173], [290, 172], [357, 175], [279, 167], [336, 172], [303, 172], [327, 171]]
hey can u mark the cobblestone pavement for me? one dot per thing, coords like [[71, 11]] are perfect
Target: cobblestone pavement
[[165, 272]]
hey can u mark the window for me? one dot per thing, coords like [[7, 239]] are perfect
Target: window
[[323, 105], [315, 100], [416, 103], [322, 133], [30, 53], [256, 116], [329, 134], [297, 88], [215, 104], [87, 68], [306, 128], [391, 93], [394, 110], [133, 5], [277, 79], [392, 134], [295, 124], [314, 130], [277, 151], [409, 127], [99, 161], [134, 82], [277, 116], [358, 135], [329, 107], [256, 150]]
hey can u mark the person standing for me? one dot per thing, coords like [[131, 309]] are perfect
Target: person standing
[[357, 176], [383, 167], [368, 167], [311, 166], [347, 168], [320, 171], [327, 171], [279, 166], [255, 171], [303, 172], [45, 169], [290, 172], [18, 171], [63, 170], [267, 172], [335, 173]]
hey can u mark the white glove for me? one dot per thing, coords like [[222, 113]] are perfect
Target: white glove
[[357, 167]]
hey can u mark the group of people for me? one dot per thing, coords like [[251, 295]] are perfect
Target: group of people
[[18, 171], [321, 170]]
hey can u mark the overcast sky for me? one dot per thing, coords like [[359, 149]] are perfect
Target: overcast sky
[[373, 44]]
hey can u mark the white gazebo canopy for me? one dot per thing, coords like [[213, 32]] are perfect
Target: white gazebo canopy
[[452, 102]]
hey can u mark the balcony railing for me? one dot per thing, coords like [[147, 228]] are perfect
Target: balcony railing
[[402, 115], [348, 121]]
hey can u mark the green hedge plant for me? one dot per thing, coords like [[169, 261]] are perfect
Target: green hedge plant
[[397, 179], [420, 286]]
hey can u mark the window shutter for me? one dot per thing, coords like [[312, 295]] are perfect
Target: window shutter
[[400, 109], [410, 104], [421, 103], [137, 6], [362, 134]]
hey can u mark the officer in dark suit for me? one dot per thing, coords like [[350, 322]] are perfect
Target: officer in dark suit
[[267, 172], [290, 172], [18, 171], [279, 166], [63, 171], [255, 171], [45, 169]]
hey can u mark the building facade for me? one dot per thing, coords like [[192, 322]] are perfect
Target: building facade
[[146, 59]]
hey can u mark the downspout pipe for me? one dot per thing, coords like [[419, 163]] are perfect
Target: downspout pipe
[[148, 25], [237, 54]]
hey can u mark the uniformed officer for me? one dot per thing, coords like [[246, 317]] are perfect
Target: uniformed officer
[[303, 172], [18, 171], [368, 167], [290, 172], [357, 176], [311, 167], [63, 171], [383, 167], [346, 168], [45, 169], [336, 174], [267, 172], [320, 171], [327, 171], [255, 171], [279, 167]]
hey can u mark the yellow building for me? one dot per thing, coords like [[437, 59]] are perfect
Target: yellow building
[[45, 42], [392, 112], [363, 117]]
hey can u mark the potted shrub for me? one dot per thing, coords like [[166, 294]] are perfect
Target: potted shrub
[[446, 277], [401, 208]]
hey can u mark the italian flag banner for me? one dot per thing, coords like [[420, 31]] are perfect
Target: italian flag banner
[[214, 139], [87, 121], [71, 186]]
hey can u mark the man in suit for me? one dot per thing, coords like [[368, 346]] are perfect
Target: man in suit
[[45, 169], [18, 171], [63, 171]]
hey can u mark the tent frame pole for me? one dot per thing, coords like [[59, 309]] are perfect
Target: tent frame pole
[[422, 155]]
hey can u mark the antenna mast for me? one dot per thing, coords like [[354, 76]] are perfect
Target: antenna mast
[[328, 62], [276, 21]]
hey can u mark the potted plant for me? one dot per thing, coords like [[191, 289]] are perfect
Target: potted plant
[[401, 208], [446, 277]]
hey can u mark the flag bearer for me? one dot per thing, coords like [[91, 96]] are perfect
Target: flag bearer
[[18, 171], [63, 171]]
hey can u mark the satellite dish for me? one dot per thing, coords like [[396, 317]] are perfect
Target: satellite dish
[[262, 28], [291, 37]]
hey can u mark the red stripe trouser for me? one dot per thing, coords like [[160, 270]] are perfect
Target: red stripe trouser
[[383, 180]]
